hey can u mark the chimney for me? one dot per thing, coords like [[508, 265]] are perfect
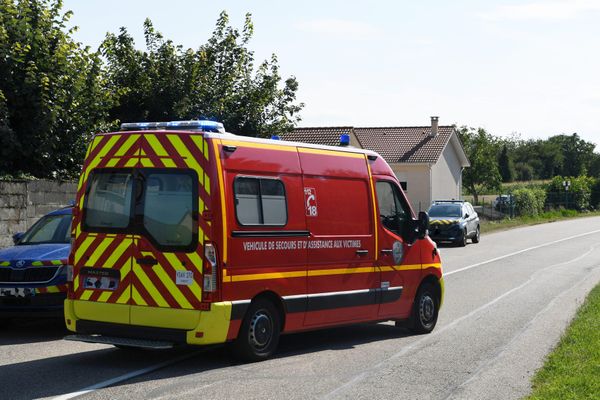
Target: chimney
[[434, 126]]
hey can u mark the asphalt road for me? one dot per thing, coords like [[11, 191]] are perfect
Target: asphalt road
[[508, 300]]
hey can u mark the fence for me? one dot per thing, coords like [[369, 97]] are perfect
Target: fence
[[503, 206]]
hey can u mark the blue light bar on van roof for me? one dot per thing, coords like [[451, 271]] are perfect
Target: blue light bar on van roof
[[192, 125], [344, 139]]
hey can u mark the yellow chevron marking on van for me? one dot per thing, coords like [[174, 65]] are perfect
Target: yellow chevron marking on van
[[99, 251], [172, 288], [86, 294], [150, 288], [104, 296], [84, 246], [176, 263], [137, 298]]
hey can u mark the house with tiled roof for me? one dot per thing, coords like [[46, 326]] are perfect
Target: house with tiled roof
[[428, 160]]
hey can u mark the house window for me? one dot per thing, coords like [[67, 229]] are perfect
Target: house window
[[260, 201]]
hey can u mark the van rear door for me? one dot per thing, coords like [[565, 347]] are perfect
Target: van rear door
[[168, 245], [102, 226]]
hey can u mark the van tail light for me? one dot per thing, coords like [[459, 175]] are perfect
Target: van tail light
[[210, 271], [69, 272]]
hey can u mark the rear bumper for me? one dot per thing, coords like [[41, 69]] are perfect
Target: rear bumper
[[160, 324], [40, 305]]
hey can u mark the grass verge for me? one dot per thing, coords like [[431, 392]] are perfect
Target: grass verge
[[551, 216], [572, 370]]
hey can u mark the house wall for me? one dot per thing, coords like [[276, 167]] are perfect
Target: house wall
[[417, 178], [23, 202], [446, 176]]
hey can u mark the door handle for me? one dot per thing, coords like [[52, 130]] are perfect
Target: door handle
[[147, 261], [387, 251], [362, 252]]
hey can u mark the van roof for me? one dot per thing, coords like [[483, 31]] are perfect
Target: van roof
[[348, 149], [230, 136]]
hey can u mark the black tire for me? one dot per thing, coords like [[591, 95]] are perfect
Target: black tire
[[425, 310], [463, 241], [477, 236], [259, 334]]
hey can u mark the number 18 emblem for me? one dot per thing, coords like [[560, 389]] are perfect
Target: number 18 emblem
[[310, 201]]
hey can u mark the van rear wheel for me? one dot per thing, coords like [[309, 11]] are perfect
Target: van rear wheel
[[425, 310], [259, 334]]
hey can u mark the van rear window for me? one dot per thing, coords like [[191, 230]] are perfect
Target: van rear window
[[108, 203], [159, 204], [260, 201]]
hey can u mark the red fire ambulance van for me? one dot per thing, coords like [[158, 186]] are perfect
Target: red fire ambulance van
[[183, 233]]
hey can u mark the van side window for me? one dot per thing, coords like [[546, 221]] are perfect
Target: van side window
[[393, 214], [260, 201]]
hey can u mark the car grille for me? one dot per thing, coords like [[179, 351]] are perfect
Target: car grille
[[35, 274]]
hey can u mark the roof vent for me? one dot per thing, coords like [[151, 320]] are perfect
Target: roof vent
[[434, 126]]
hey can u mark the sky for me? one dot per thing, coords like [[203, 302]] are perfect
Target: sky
[[528, 67]]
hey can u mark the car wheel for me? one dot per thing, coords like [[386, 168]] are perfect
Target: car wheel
[[477, 236], [425, 310], [463, 241], [259, 334]]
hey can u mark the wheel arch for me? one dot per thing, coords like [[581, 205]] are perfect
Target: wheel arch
[[276, 300], [438, 285]]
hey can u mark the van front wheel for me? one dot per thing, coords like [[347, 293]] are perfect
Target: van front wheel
[[259, 334], [425, 310]]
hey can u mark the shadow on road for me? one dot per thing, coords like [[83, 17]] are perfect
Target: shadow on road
[[54, 376], [22, 331]]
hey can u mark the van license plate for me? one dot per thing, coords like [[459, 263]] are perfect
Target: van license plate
[[17, 292], [100, 278]]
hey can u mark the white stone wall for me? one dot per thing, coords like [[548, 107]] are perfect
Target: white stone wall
[[24, 202]]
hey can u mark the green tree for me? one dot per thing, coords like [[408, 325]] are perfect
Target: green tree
[[578, 153], [506, 165], [51, 96], [481, 149], [217, 81]]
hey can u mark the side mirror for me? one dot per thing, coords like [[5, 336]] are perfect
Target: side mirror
[[466, 216], [17, 237], [422, 224]]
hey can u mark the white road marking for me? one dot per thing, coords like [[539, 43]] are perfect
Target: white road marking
[[127, 376], [405, 350], [519, 252], [418, 343], [520, 332]]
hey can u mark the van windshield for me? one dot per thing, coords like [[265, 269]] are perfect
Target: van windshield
[[445, 210]]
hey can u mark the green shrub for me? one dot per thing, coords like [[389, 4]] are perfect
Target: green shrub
[[529, 202], [595, 195], [578, 197]]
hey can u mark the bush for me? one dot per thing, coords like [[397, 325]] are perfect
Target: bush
[[529, 202], [595, 195], [578, 197]]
